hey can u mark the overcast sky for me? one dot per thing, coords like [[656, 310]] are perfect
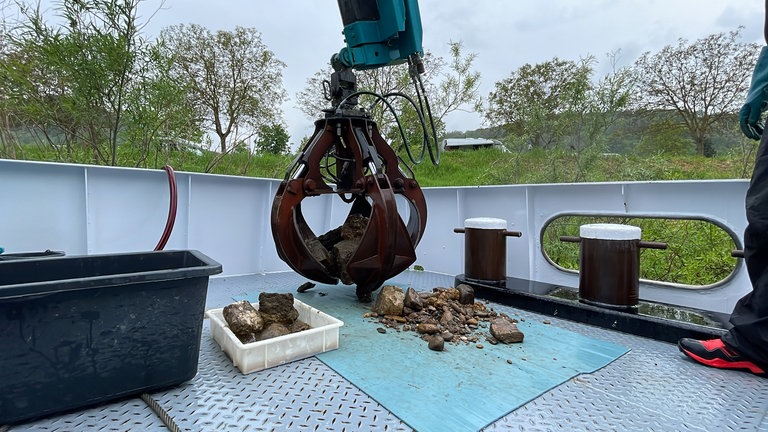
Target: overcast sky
[[505, 34]]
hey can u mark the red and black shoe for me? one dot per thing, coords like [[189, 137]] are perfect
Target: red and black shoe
[[716, 354]]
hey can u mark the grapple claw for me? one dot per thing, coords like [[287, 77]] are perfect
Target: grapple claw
[[374, 244]]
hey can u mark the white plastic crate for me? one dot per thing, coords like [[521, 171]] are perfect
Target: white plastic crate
[[322, 336]]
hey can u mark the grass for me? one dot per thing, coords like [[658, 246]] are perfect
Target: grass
[[456, 168], [492, 167]]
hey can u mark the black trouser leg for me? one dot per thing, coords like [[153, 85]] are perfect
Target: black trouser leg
[[749, 335]]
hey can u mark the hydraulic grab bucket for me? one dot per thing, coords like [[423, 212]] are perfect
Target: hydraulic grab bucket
[[347, 156]]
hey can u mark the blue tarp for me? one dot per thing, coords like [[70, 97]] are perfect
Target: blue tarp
[[463, 388]]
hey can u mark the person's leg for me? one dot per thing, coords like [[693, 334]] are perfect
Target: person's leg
[[749, 335], [745, 346]]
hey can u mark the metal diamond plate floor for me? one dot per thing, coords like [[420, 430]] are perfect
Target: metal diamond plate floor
[[652, 388]]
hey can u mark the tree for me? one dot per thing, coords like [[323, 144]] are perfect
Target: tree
[[159, 118], [272, 139], [605, 102], [231, 79], [703, 82], [663, 136], [76, 85], [449, 87], [457, 89], [557, 105], [7, 142], [536, 101]]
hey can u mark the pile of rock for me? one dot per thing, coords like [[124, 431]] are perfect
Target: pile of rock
[[276, 316], [335, 248], [444, 315]]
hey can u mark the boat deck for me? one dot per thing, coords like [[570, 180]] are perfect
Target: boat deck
[[652, 387]]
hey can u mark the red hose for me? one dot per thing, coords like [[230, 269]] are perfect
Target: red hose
[[171, 210]]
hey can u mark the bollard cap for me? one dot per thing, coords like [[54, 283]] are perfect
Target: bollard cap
[[605, 231], [485, 223]]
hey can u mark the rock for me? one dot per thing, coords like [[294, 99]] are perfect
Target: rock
[[253, 337], [244, 320], [319, 252], [306, 286], [330, 238], [413, 300], [381, 330], [439, 313], [277, 308], [354, 227], [341, 254], [339, 245], [447, 317], [436, 343], [442, 296], [351, 232], [505, 331], [389, 301], [426, 328], [459, 309], [298, 326], [274, 330], [466, 294], [276, 317]]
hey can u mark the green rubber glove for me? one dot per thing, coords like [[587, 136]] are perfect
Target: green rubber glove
[[750, 116]]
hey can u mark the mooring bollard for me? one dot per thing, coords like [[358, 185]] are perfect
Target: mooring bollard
[[609, 264], [485, 249]]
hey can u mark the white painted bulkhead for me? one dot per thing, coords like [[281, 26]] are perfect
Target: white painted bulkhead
[[82, 209]]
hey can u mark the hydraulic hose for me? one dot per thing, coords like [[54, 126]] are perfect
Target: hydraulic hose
[[171, 209]]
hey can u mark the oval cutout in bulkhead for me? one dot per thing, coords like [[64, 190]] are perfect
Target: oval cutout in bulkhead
[[698, 251]]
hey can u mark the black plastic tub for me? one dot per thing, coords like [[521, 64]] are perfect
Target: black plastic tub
[[82, 330]]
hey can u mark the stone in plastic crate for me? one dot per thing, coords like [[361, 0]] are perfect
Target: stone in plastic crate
[[322, 336]]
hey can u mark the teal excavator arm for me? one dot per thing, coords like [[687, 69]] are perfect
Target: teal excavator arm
[[379, 32]]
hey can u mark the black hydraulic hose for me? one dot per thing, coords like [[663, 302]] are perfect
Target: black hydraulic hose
[[171, 210], [383, 99], [423, 124], [421, 93]]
